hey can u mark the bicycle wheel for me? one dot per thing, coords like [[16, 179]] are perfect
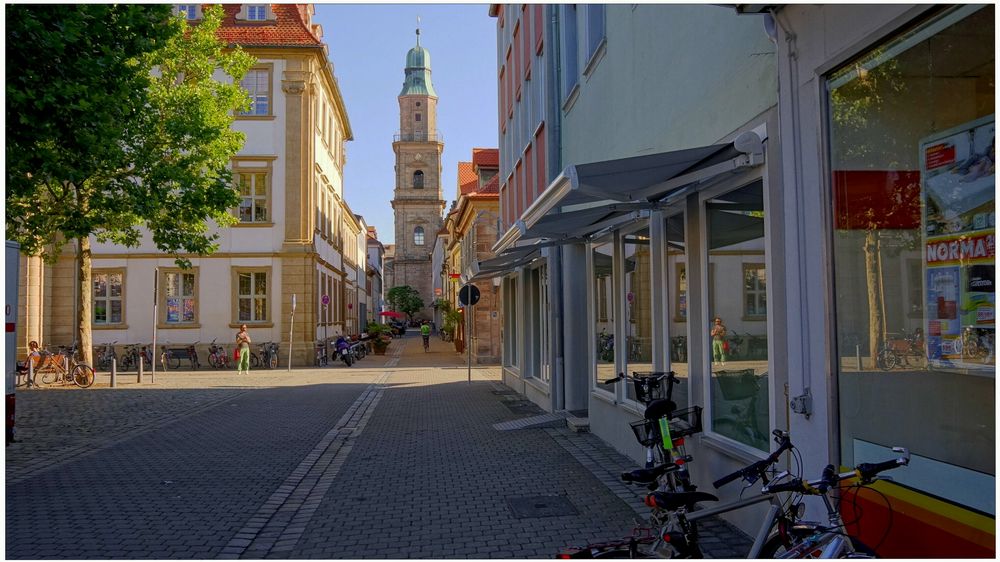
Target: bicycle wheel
[[213, 361], [49, 377], [778, 547], [886, 360], [254, 360], [126, 363], [173, 362], [83, 375], [272, 361], [104, 363]]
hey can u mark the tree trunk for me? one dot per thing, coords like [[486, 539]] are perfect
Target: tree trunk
[[84, 298], [874, 284]]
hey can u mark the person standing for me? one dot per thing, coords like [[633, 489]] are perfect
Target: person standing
[[243, 345], [719, 342]]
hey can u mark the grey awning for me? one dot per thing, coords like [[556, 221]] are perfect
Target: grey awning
[[588, 198], [505, 262]]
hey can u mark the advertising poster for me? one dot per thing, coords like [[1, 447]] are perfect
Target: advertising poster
[[958, 171]]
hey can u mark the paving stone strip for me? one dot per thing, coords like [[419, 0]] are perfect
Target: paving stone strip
[[279, 523], [48, 460]]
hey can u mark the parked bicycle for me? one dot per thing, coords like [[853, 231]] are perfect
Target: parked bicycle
[[218, 358], [104, 355], [130, 357], [62, 367], [322, 355], [269, 355]]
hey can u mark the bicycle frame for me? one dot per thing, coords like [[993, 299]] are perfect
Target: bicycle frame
[[766, 525]]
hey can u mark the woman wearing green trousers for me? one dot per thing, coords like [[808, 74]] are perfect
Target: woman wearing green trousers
[[243, 344]]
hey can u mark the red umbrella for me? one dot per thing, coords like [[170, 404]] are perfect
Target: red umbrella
[[392, 314]]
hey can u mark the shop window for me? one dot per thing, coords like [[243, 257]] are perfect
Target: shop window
[[912, 159], [678, 291], [738, 349], [510, 330], [179, 297], [604, 327], [638, 352], [109, 293]]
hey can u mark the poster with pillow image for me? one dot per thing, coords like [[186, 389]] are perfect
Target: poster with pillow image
[[958, 174]]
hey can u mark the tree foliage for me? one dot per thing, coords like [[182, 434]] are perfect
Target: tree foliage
[[405, 299], [115, 121]]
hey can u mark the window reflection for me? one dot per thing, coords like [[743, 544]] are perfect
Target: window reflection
[[737, 329], [677, 345], [604, 312], [638, 352]]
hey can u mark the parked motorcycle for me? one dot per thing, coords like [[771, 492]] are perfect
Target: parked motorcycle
[[342, 350]]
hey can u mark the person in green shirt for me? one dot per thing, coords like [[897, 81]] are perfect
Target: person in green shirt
[[425, 332]]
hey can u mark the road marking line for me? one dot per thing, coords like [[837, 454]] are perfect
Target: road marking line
[[279, 523]]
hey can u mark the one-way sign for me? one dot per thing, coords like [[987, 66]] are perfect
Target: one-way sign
[[468, 295]]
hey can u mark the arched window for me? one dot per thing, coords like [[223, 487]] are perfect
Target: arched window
[[418, 236], [418, 180]]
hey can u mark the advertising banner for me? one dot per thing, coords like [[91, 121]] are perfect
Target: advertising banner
[[958, 171]]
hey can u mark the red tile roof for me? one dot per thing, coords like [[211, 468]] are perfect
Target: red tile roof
[[486, 157], [292, 28], [468, 181]]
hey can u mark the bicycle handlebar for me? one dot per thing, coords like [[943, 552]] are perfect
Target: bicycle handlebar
[[671, 376], [755, 471], [865, 472]]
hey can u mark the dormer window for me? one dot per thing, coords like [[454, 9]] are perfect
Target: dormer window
[[190, 11], [257, 12]]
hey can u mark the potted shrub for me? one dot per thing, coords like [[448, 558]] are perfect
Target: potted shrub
[[380, 337]]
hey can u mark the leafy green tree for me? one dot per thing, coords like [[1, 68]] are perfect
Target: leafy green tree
[[115, 121], [405, 299]]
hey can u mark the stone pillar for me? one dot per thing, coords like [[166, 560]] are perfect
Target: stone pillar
[[575, 327]]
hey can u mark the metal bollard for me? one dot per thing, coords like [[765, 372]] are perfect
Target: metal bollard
[[31, 373], [139, 378], [114, 373], [857, 353], [66, 363]]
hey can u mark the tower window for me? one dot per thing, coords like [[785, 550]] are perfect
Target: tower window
[[418, 180], [418, 236], [417, 117]]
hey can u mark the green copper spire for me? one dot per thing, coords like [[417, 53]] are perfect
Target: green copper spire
[[418, 72]]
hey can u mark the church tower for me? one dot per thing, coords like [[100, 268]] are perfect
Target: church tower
[[417, 200]]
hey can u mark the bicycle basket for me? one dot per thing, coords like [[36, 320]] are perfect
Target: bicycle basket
[[737, 384], [686, 421], [647, 432], [648, 387], [683, 422]]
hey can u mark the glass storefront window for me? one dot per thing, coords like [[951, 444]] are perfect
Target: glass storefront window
[[677, 289], [912, 156], [638, 351], [604, 322], [737, 328]]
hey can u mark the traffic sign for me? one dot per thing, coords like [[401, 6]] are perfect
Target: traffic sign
[[325, 300], [468, 295]]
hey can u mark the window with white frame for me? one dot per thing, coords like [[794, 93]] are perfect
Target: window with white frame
[[253, 188], [190, 11], [180, 300], [108, 292], [252, 290], [257, 12], [257, 83]]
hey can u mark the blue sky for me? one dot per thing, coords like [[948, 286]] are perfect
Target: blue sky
[[368, 45]]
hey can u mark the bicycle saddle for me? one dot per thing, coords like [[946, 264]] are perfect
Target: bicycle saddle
[[648, 475], [659, 408], [674, 500]]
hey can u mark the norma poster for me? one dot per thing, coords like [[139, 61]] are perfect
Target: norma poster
[[958, 172]]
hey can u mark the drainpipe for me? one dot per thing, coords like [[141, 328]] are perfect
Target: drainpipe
[[553, 157]]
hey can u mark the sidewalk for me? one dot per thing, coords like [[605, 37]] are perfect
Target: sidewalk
[[399, 456]]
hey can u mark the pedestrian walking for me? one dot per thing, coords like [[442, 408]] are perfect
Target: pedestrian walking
[[243, 345], [425, 333]]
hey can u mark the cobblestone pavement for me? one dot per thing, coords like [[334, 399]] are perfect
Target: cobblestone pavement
[[396, 457]]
